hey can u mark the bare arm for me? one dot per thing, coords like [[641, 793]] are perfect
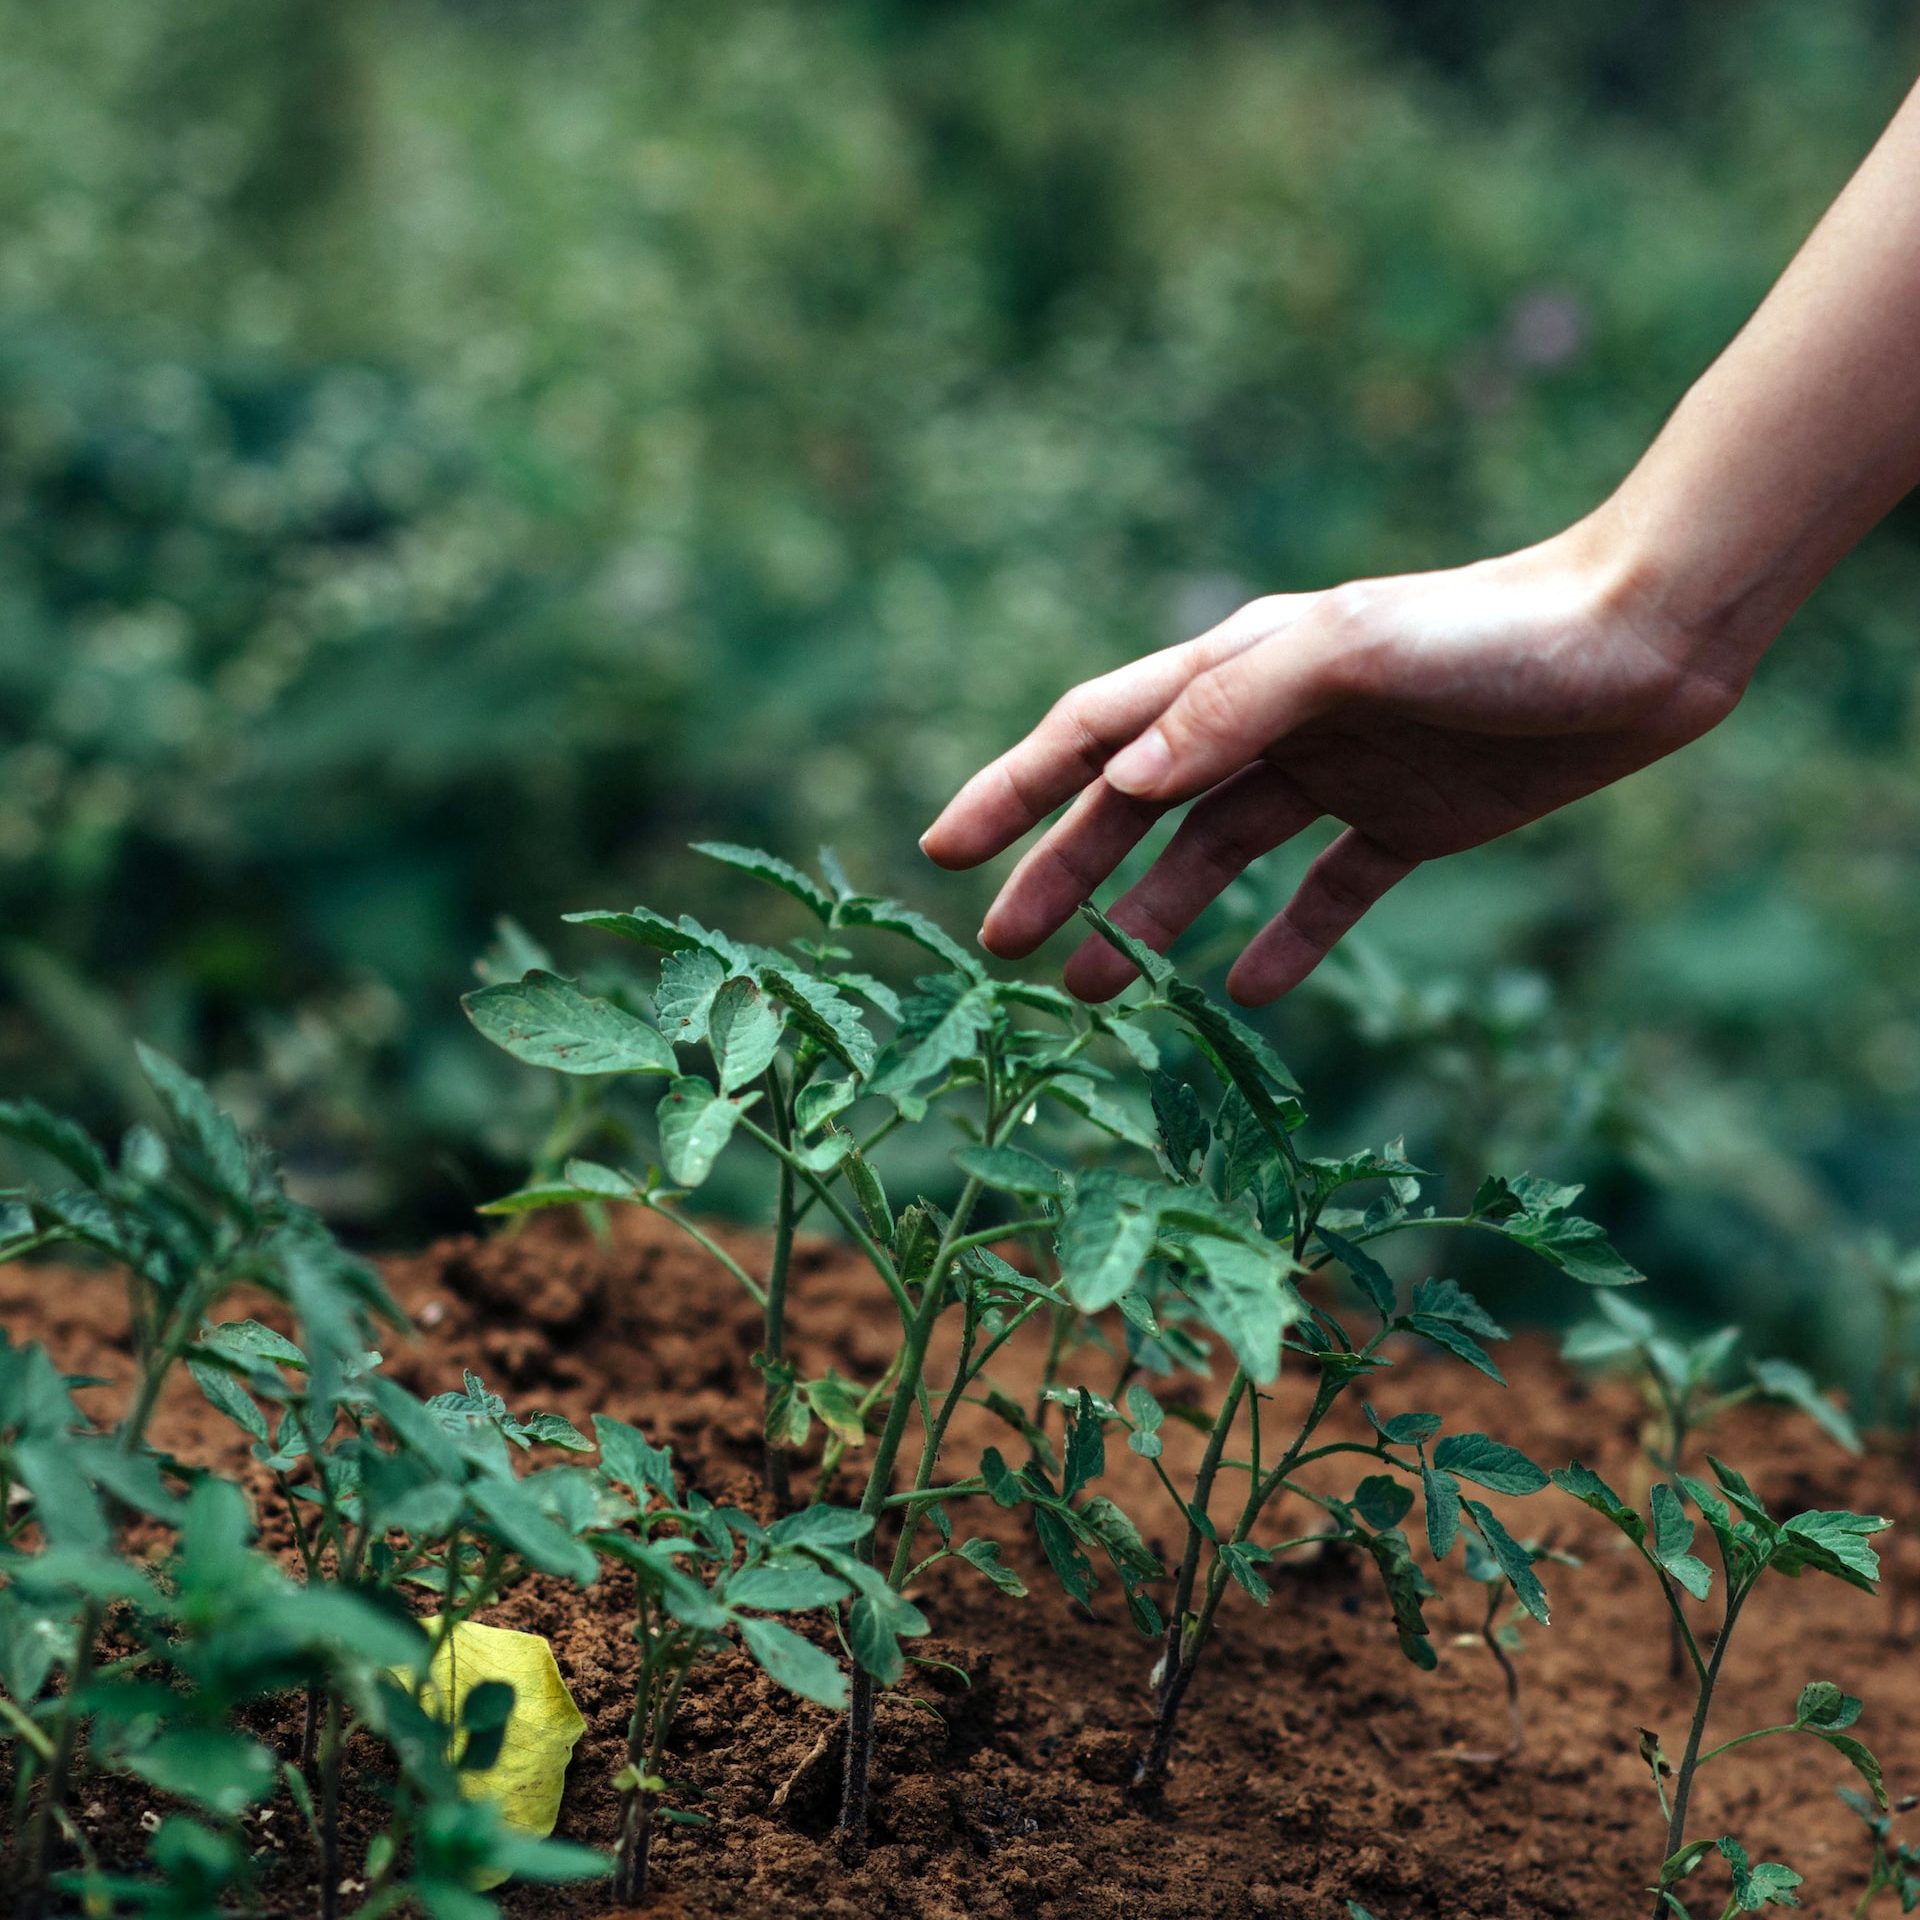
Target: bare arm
[[1433, 712]]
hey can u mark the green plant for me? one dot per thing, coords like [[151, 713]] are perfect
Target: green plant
[[160, 1655], [1202, 1244], [1895, 1864], [1751, 1544], [701, 1574], [1683, 1382], [1502, 1639]]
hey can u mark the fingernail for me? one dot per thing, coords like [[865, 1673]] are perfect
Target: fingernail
[[1139, 768], [924, 838]]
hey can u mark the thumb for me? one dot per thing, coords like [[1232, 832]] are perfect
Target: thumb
[[1226, 717]]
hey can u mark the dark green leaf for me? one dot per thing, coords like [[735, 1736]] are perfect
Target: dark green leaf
[[548, 1022]]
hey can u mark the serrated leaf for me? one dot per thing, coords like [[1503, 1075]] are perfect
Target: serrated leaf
[[984, 1557], [1148, 1416], [1012, 1170], [1515, 1561], [1488, 1463], [1445, 1333], [548, 1022], [695, 1122], [743, 1030], [1441, 1493], [937, 1028], [866, 910], [1590, 1490], [1404, 1429], [1827, 1707], [1860, 1758], [1782, 1380], [824, 1015], [1086, 1447], [1672, 1536], [1108, 1232], [775, 871], [1369, 1275], [688, 981], [1381, 1501], [1247, 1300], [1184, 1131], [1156, 967], [199, 1121]]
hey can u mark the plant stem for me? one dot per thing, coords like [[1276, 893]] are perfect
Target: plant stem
[[1690, 1760], [774, 1340], [859, 1756], [756, 1292]]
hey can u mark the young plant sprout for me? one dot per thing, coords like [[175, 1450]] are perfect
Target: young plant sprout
[[1750, 1544], [1895, 1864], [1197, 1245], [378, 1491], [1683, 1385], [701, 1574], [1502, 1638]]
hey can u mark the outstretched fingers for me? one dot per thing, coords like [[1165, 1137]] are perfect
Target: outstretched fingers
[[1063, 754], [1063, 868], [1339, 887], [1225, 833], [1233, 711]]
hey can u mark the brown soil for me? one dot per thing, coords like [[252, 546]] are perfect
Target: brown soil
[[1314, 1765]]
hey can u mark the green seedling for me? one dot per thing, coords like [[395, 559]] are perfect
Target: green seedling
[[1895, 1864], [704, 1575], [1750, 1545], [1503, 1637], [1684, 1382], [1194, 1223], [380, 1492], [1684, 1385]]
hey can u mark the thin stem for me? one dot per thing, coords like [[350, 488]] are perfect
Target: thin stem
[[774, 1339], [1740, 1740], [755, 1290], [1690, 1760]]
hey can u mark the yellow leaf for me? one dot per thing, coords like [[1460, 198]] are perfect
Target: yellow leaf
[[525, 1782]]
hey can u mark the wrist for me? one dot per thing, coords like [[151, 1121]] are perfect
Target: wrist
[[1674, 585]]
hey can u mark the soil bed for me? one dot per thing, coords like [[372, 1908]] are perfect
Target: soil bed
[[1314, 1761]]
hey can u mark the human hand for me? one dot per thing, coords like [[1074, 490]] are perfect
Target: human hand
[[1429, 713]]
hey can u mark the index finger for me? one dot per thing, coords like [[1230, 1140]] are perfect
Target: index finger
[[1081, 733]]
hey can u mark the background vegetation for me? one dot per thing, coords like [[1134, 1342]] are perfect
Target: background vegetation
[[453, 452]]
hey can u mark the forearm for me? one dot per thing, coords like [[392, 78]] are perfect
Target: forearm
[[1801, 436]]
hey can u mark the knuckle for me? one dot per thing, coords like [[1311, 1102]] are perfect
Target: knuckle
[[1207, 711]]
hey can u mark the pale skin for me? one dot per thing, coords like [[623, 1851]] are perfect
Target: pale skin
[[1430, 713]]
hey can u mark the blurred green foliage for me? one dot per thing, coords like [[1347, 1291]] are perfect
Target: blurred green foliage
[[453, 454]]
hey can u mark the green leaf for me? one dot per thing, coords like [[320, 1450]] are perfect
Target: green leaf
[[695, 1123], [1086, 1447], [1247, 1300], [648, 929], [1371, 1277], [795, 1663], [874, 1643], [1155, 966], [1515, 1561], [937, 1028], [1767, 1885], [1407, 1587], [743, 1029], [1381, 1501], [824, 1015], [775, 871], [984, 1557], [32, 1125], [865, 910], [1672, 1536], [225, 1772], [632, 1459], [1184, 1130], [1445, 1333], [1839, 1538], [1404, 1429], [1590, 1490], [1860, 1757], [1012, 1170], [688, 982], [1782, 1380], [1442, 1496], [1080, 1095], [199, 1121], [821, 1526], [1002, 1483], [548, 1022], [1488, 1463], [1824, 1707], [1106, 1237], [836, 1404], [1003, 1405], [1148, 1417]]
